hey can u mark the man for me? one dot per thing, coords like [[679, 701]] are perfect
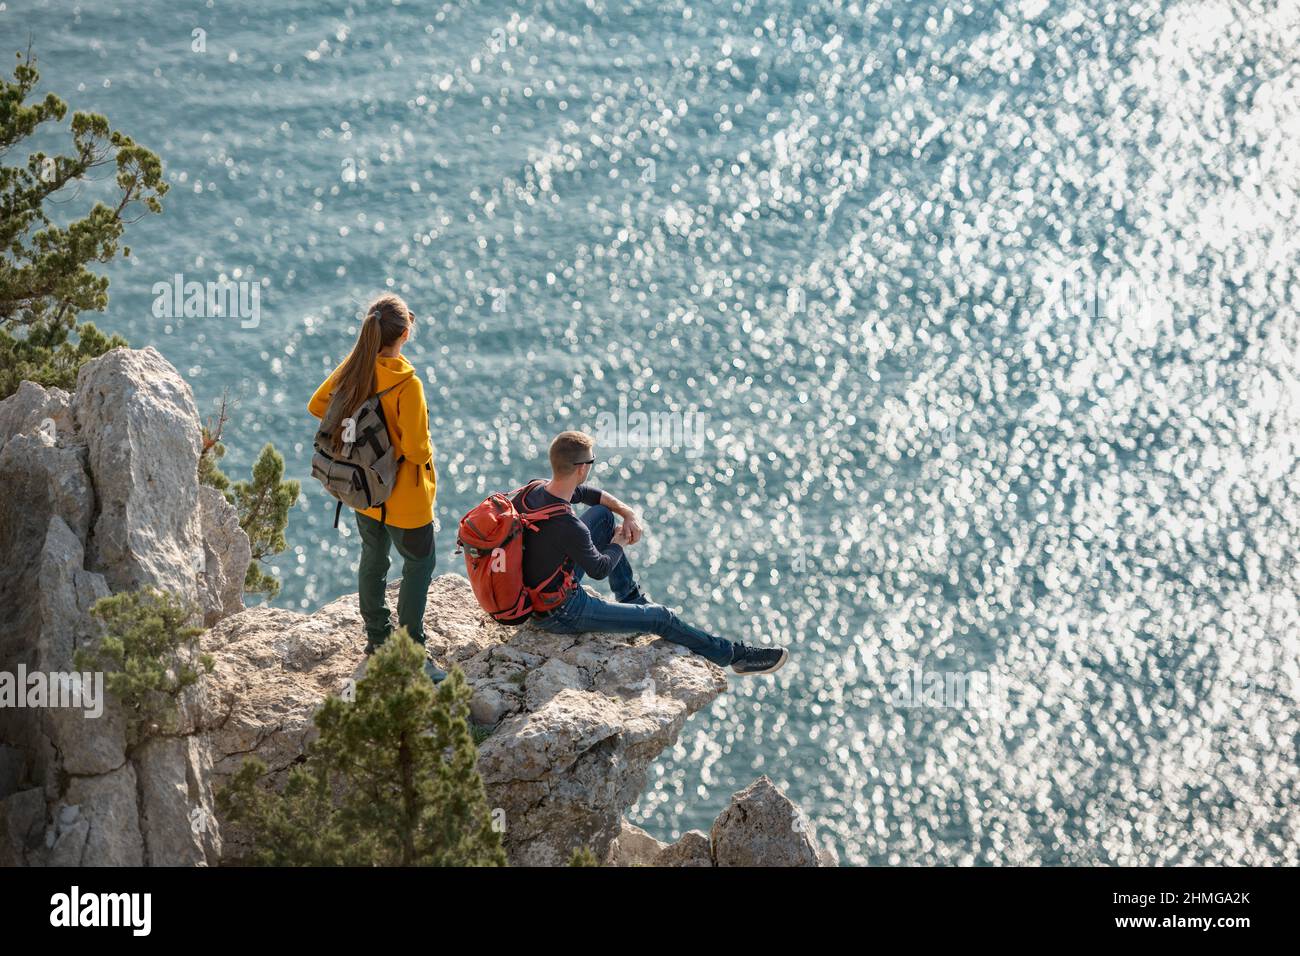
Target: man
[[593, 546]]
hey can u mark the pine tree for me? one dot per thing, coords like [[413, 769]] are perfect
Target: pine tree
[[48, 357], [391, 781], [263, 505], [582, 856], [149, 655], [45, 281]]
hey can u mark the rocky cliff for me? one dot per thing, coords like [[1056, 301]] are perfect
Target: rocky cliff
[[103, 497], [577, 720]]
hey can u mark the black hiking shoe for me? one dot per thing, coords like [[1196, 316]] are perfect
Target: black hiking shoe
[[636, 597], [758, 660], [373, 645], [434, 672]]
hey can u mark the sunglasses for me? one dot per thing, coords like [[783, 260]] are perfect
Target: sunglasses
[[589, 461]]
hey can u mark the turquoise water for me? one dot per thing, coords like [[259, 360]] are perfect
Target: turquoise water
[[830, 232]]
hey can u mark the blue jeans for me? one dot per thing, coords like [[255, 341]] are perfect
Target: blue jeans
[[582, 612]]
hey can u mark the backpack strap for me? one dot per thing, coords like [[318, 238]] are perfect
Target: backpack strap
[[529, 517], [337, 511], [544, 597]]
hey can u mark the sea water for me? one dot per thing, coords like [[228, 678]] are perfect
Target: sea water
[[982, 316]]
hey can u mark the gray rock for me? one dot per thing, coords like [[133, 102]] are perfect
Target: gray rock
[[693, 849], [226, 554], [22, 821], [178, 814], [107, 830], [142, 432], [66, 592], [551, 678], [34, 408], [489, 704], [41, 479], [12, 766], [633, 847], [273, 669], [762, 827], [70, 845]]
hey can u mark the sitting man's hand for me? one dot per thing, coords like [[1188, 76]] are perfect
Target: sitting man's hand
[[621, 536], [632, 527]]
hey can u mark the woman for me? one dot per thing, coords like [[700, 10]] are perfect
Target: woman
[[406, 519]]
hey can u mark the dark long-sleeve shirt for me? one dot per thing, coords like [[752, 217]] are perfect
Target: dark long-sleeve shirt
[[564, 540]]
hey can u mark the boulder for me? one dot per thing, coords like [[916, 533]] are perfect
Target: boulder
[[142, 434], [762, 827], [759, 827], [633, 847], [33, 408], [693, 849], [489, 704]]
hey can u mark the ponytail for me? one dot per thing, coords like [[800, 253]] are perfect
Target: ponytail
[[386, 319]]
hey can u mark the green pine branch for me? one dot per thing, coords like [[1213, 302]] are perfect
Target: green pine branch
[[263, 504], [148, 653], [45, 279]]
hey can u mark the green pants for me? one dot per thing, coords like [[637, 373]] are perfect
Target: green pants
[[415, 545]]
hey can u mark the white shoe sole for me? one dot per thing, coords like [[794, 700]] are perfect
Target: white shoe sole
[[785, 656]]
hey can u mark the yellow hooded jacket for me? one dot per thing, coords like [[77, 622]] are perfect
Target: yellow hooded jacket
[[411, 503]]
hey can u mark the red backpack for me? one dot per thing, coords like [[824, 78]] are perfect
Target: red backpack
[[492, 537]]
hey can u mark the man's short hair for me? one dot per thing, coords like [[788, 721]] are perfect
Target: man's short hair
[[568, 450]]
